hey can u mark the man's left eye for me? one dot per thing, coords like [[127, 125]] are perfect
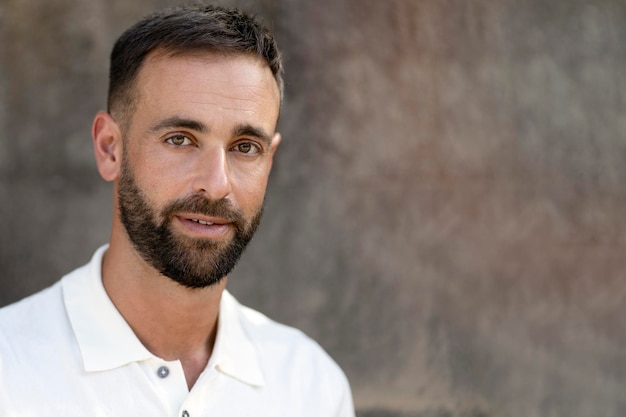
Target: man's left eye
[[179, 140], [247, 148]]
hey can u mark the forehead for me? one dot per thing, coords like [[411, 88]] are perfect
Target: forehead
[[199, 82]]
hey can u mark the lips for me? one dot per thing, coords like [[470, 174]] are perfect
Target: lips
[[203, 219], [204, 226]]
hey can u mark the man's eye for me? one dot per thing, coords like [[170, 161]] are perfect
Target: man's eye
[[247, 148], [178, 140]]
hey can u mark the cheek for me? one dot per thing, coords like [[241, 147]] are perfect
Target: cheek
[[157, 178], [249, 186]]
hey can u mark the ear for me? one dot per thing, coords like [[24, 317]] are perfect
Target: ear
[[107, 144], [275, 142]]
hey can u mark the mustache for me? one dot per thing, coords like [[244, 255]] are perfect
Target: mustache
[[222, 208]]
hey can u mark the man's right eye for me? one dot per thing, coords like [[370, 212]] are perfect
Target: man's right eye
[[179, 140]]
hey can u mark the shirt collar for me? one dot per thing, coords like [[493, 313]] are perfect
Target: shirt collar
[[234, 353], [106, 341]]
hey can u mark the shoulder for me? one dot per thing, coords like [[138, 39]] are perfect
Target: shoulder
[[39, 312], [32, 326], [29, 329], [31, 311], [281, 340]]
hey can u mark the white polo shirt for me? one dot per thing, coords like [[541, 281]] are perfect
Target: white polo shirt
[[67, 351]]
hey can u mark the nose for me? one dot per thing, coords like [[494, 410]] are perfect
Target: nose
[[211, 176]]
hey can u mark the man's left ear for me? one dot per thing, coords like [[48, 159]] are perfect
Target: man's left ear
[[275, 142], [107, 144]]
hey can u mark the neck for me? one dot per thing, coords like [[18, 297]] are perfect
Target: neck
[[173, 322]]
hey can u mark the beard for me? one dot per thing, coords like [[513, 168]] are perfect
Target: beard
[[191, 262]]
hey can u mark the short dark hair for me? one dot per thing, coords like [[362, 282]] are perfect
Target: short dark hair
[[182, 29]]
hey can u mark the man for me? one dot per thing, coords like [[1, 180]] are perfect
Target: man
[[147, 327]]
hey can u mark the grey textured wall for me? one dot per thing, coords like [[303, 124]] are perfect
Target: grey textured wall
[[446, 214]]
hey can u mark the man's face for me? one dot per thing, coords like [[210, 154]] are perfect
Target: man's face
[[197, 154]]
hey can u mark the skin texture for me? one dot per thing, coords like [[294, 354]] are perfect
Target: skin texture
[[203, 128]]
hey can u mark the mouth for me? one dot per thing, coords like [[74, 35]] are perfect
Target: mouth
[[203, 219], [204, 227], [202, 222]]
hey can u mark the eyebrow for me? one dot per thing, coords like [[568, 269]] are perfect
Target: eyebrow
[[249, 130], [176, 122]]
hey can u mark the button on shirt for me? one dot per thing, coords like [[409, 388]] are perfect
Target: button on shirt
[[67, 351]]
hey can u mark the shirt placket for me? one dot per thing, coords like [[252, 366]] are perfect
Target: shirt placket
[[202, 395], [168, 379]]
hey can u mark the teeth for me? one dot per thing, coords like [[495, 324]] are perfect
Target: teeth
[[202, 222]]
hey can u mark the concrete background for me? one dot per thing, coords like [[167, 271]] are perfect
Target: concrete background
[[446, 214]]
